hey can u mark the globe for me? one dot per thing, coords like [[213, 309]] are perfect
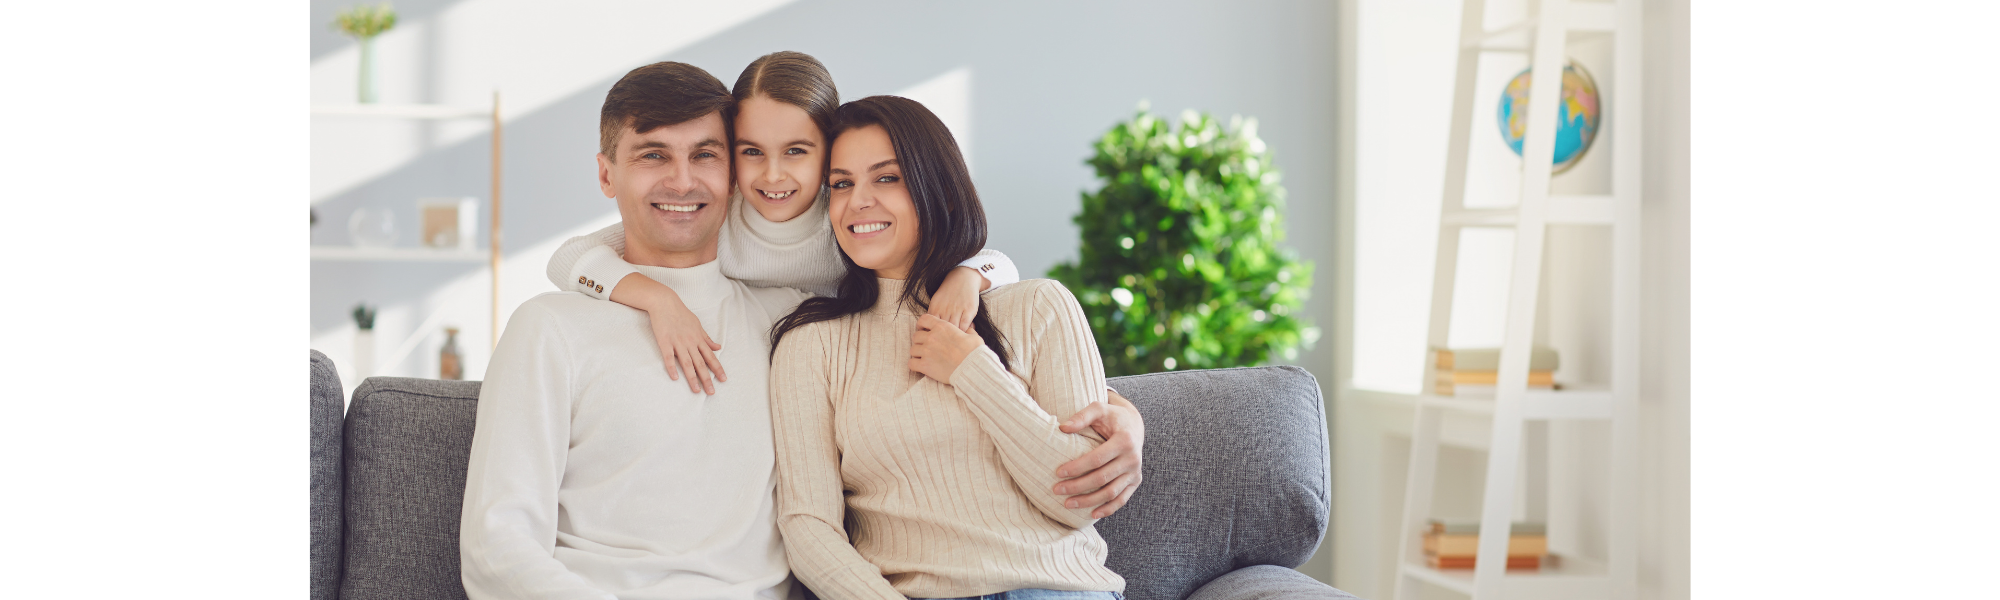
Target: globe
[[1577, 118]]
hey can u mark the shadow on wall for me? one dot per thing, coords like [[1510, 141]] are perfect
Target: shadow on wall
[[1046, 80]]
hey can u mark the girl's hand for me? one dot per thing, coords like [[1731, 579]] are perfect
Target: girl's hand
[[685, 347], [938, 347], [957, 301]]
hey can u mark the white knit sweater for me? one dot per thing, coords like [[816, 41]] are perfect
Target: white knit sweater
[[594, 476], [800, 253]]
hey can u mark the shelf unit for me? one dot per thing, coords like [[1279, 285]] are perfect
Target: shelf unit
[[1517, 441], [433, 112]]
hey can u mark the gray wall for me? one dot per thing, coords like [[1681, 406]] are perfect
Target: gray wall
[[1047, 79]]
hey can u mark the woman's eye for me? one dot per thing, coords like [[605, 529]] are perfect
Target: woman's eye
[[842, 184], [888, 179]]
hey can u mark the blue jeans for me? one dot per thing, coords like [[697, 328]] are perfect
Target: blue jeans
[[1037, 594]]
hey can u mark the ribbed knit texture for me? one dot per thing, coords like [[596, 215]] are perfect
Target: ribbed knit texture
[[800, 253], [945, 488]]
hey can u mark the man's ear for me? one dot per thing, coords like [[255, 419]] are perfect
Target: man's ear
[[604, 176]]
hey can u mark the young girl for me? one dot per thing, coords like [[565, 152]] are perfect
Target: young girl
[[785, 104]]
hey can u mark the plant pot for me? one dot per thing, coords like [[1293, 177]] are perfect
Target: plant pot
[[367, 83], [364, 354]]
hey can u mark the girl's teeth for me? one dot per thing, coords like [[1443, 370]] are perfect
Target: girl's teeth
[[870, 227], [778, 195]]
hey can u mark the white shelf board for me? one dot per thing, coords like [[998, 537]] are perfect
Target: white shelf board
[[1566, 578], [1578, 402], [351, 253], [402, 111], [1563, 209]]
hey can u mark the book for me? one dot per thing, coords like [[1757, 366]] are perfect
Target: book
[[1488, 359], [1471, 527], [1473, 389], [1467, 562], [1467, 545]]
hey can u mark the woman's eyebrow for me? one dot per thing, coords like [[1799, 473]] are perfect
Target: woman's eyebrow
[[878, 166]]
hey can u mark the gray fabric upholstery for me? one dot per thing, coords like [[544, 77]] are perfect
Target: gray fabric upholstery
[[1267, 582], [1236, 475], [324, 509], [408, 442]]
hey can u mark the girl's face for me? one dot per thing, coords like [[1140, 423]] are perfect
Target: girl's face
[[778, 157], [872, 215]]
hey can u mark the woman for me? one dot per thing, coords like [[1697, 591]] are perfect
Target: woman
[[943, 480]]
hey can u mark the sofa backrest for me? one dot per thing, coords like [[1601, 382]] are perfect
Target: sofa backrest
[[408, 444], [1237, 474], [326, 478]]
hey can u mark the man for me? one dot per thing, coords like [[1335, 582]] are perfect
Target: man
[[592, 474]]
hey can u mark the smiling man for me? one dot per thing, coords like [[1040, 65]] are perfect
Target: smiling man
[[592, 474]]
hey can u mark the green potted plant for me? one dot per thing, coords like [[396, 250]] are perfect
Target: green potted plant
[[363, 23], [1179, 265]]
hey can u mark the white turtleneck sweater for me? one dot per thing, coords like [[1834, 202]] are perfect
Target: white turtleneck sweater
[[799, 253], [594, 476]]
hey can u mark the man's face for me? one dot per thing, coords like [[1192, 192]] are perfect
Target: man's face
[[672, 187]]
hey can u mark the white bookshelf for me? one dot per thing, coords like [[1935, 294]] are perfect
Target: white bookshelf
[[430, 112]]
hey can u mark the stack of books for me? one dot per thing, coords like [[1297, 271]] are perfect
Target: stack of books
[[1475, 371], [1455, 545]]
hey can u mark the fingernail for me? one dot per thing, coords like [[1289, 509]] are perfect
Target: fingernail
[[1062, 473], [1071, 504]]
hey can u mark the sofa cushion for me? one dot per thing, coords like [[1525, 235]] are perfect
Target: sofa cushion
[[1266, 582], [1236, 475], [408, 443], [324, 414]]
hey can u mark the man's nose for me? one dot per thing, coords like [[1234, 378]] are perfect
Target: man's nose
[[679, 179]]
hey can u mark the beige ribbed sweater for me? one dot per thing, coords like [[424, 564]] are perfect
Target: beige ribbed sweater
[[945, 488]]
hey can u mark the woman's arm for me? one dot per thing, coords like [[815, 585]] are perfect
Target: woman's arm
[[1066, 375], [594, 264], [812, 505], [1103, 479]]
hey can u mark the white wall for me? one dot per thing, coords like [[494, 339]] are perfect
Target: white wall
[[1401, 63], [1027, 85]]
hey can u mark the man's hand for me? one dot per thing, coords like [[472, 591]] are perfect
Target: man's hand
[[1106, 476], [957, 301], [686, 348], [938, 347]]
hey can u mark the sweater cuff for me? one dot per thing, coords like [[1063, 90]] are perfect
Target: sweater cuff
[[599, 270], [996, 272]]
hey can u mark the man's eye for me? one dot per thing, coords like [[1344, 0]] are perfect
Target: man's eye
[[652, 155], [752, 152], [795, 151], [705, 155]]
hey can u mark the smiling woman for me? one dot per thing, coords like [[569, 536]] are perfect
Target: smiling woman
[[946, 480]]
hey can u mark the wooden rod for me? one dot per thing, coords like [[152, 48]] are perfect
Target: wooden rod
[[494, 235]]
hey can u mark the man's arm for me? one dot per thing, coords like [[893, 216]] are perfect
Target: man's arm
[[520, 445], [1104, 478]]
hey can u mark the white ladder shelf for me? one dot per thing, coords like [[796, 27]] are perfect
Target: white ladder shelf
[[1519, 415]]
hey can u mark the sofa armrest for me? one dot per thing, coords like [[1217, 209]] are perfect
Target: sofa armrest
[[1266, 582]]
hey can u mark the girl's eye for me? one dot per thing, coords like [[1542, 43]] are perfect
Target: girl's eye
[[752, 152], [795, 151]]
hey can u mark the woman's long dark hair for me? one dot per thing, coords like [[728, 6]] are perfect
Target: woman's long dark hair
[[951, 223]]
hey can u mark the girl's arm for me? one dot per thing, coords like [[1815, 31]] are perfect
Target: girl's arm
[[594, 264], [957, 301]]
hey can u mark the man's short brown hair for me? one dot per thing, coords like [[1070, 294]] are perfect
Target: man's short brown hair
[[659, 95]]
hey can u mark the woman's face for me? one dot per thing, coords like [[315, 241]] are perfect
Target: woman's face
[[870, 209], [777, 157]]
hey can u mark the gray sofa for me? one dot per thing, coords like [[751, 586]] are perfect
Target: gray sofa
[[1236, 486]]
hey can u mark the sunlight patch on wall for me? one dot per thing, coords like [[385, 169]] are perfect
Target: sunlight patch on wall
[[949, 96], [532, 54]]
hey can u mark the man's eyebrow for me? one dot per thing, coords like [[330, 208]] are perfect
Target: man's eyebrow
[[710, 142], [744, 142]]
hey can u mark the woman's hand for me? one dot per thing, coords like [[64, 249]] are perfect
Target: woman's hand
[[957, 301], [1106, 476], [938, 347], [686, 348]]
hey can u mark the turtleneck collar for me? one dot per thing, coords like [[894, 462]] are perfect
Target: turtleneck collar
[[699, 286], [807, 226], [890, 291]]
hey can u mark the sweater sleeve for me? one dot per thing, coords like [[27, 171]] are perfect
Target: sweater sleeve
[[592, 264], [507, 527], [995, 267], [1066, 375], [812, 502]]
